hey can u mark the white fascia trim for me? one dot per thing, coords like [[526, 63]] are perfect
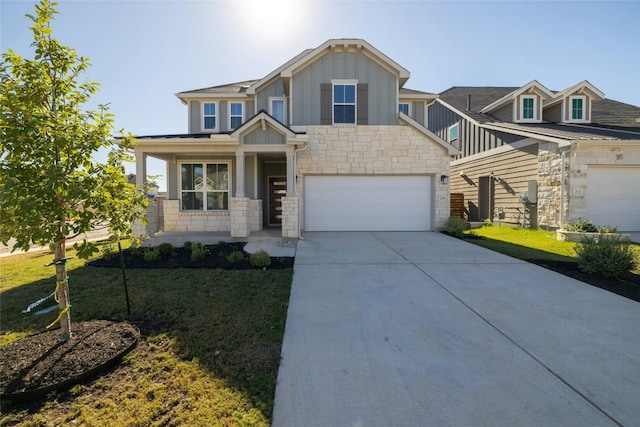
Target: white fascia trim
[[513, 95], [418, 96], [458, 112], [560, 141], [257, 120], [450, 149], [210, 96], [251, 90], [495, 151], [579, 89]]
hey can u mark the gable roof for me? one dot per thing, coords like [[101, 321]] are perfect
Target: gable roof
[[359, 44], [583, 86], [533, 84], [266, 79], [231, 90], [263, 117], [416, 94], [451, 150]]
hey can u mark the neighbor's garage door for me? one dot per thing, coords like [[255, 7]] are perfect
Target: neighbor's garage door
[[613, 197], [367, 203]]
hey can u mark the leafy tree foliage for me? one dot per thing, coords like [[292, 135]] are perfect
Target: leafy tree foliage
[[51, 188]]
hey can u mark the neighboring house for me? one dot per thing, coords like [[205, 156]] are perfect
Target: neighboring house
[[572, 153], [329, 141]]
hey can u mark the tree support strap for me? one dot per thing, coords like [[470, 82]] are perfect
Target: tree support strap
[[62, 312]]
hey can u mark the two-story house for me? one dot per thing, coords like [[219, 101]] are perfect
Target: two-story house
[[329, 141], [535, 157]]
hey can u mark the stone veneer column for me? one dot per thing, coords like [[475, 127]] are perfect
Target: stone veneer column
[[239, 212], [290, 217]]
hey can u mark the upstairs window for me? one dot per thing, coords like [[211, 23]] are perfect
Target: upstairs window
[[204, 186], [528, 108], [453, 135], [235, 114], [344, 103], [277, 109], [209, 115], [577, 107], [403, 108]]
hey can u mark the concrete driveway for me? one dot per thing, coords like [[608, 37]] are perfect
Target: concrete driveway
[[421, 329]]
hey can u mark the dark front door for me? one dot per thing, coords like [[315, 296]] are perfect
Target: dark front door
[[484, 198], [277, 190]]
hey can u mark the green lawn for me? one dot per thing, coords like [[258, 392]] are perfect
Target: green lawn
[[209, 353]]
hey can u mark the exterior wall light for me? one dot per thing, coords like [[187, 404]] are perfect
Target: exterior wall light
[[444, 179]]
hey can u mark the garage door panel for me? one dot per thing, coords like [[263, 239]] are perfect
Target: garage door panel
[[613, 197], [367, 203]]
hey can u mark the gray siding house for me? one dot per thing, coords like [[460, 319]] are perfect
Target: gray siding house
[[535, 157], [329, 141]]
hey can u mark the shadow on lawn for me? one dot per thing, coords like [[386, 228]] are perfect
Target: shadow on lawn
[[627, 286], [232, 322]]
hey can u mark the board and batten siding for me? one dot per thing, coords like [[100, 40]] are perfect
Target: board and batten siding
[[417, 112], [273, 89], [472, 139], [514, 168], [306, 84], [195, 117], [268, 136]]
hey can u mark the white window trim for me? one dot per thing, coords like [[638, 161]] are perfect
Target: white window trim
[[229, 115], [204, 167], [584, 109], [457, 140], [535, 108], [408, 109], [284, 110], [355, 103], [217, 116]]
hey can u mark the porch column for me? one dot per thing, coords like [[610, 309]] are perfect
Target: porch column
[[239, 174], [138, 228], [291, 175]]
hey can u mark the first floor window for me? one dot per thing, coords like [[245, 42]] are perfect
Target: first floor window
[[209, 114], [204, 186], [577, 108], [528, 108], [235, 114], [344, 103], [403, 108], [277, 109]]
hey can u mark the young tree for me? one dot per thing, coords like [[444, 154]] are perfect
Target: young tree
[[51, 189]]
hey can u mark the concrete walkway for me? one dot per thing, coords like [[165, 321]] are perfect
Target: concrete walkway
[[420, 329]]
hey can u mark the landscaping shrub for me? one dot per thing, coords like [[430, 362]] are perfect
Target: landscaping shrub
[[235, 257], [604, 256], [455, 226], [198, 252], [487, 223], [582, 226], [260, 259], [167, 249], [152, 255]]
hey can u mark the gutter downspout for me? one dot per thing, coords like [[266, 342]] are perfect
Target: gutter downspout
[[295, 190]]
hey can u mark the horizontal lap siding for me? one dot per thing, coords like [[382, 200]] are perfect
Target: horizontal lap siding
[[515, 168]]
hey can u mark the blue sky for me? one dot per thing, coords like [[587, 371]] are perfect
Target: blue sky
[[143, 52]]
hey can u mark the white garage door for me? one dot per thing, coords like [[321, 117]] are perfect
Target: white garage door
[[613, 197], [367, 203]]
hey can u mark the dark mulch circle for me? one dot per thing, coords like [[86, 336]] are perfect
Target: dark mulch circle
[[215, 257], [39, 364]]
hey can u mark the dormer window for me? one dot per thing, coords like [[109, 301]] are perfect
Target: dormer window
[[209, 115], [528, 107], [577, 104]]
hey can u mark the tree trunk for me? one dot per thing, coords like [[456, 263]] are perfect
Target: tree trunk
[[63, 285]]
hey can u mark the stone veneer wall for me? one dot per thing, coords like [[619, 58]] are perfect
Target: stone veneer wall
[[255, 215], [176, 220], [550, 177], [374, 150], [290, 217]]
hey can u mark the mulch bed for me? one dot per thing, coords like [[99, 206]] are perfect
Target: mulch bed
[[39, 364], [216, 257]]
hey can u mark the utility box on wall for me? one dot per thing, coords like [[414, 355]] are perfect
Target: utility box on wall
[[532, 193]]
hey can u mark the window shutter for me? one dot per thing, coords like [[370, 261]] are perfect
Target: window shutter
[[363, 104], [325, 104]]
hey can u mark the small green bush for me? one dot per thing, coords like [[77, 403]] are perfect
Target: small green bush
[[152, 255], [235, 257], [607, 229], [582, 226], [455, 226], [167, 249], [198, 252], [487, 223], [605, 256], [260, 259]]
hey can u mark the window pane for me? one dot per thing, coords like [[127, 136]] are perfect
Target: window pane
[[404, 108], [527, 108], [192, 201], [236, 122], [338, 93], [217, 177], [344, 114], [453, 133], [576, 109], [277, 109], [350, 94], [217, 200], [209, 122], [236, 109], [209, 109], [191, 176]]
